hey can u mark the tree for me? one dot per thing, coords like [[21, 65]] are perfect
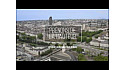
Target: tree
[[17, 36], [47, 52], [79, 39], [79, 34], [90, 34], [56, 44], [39, 53], [84, 38], [89, 39], [69, 44], [79, 49], [73, 40], [96, 36], [40, 36], [33, 44], [81, 57], [22, 33], [50, 43], [60, 45], [68, 40], [42, 43]]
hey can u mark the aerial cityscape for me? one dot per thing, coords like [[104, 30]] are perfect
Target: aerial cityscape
[[44, 40]]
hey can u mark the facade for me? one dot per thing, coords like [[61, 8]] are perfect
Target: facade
[[36, 50], [57, 23], [94, 43]]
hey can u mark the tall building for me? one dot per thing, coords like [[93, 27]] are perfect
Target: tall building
[[83, 26], [50, 20]]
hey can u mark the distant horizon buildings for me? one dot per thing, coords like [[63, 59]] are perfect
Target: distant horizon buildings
[[59, 19], [61, 14]]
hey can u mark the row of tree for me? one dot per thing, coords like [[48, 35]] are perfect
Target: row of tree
[[101, 58], [46, 52], [29, 39], [87, 36], [90, 34], [25, 38], [84, 39]]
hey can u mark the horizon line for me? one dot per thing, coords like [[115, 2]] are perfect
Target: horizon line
[[58, 19]]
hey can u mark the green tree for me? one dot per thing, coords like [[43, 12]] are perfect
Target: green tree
[[47, 52], [79, 49], [22, 33], [84, 38], [56, 44], [39, 53], [90, 34], [81, 57], [69, 44], [40, 36], [101, 58], [79, 39], [17, 36], [60, 44], [89, 39], [96, 36], [33, 44], [42, 43], [73, 40]]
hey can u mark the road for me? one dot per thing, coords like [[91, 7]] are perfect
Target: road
[[73, 58], [92, 49]]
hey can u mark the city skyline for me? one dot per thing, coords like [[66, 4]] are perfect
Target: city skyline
[[44, 14]]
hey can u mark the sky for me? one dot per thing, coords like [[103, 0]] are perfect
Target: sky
[[44, 14]]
